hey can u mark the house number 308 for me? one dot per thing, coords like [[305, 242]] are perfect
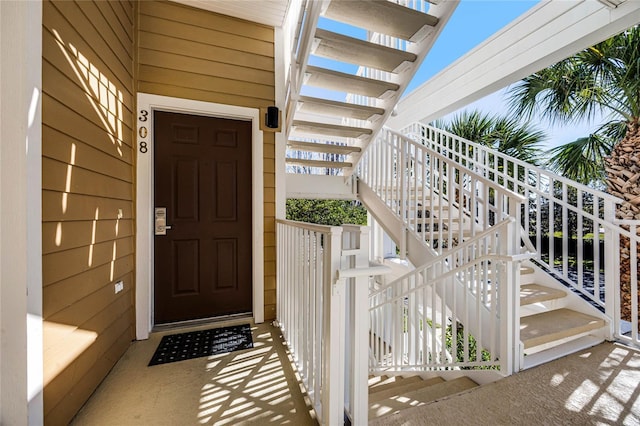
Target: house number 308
[[142, 132]]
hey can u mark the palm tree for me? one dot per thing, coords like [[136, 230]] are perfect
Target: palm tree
[[506, 135], [603, 78]]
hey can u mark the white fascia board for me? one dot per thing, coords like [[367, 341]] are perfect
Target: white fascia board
[[546, 34], [319, 187]]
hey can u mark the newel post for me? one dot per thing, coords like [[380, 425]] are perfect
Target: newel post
[[333, 338], [359, 344]]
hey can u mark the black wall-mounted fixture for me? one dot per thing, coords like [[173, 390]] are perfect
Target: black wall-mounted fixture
[[271, 117]]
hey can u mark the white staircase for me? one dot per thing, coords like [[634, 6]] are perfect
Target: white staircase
[[332, 132], [391, 394], [554, 322]]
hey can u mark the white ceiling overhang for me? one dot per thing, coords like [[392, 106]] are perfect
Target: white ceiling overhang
[[267, 12], [548, 33]]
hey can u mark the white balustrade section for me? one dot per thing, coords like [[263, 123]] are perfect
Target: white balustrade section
[[424, 321], [323, 274], [573, 227], [438, 200]]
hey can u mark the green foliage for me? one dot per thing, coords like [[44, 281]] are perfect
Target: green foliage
[[604, 78], [327, 212], [506, 135], [472, 347]]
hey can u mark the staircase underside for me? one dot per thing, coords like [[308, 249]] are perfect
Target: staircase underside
[[346, 118]]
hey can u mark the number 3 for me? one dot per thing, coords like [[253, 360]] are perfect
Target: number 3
[[143, 115]]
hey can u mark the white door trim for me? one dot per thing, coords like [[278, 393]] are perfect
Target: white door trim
[[144, 198]]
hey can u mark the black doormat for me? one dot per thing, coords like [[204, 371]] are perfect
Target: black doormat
[[196, 344]]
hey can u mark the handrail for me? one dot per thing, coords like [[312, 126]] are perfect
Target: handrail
[[408, 130], [519, 198], [578, 232], [438, 201], [465, 291], [466, 244]]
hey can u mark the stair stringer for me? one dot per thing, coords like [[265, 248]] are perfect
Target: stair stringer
[[419, 254], [572, 300], [416, 250]]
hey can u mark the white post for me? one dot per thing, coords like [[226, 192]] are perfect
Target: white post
[[333, 330], [359, 323], [611, 270], [21, 347]]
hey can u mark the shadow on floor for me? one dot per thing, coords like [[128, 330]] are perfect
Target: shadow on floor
[[251, 386], [596, 386]]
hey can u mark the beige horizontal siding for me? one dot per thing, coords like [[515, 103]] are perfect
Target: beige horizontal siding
[[88, 191]]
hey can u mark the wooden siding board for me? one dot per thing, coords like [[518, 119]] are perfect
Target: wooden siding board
[[65, 264], [202, 66], [87, 384], [63, 293], [81, 35], [64, 177], [68, 389], [61, 88], [56, 59], [55, 56], [72, 123], [98, 301], [198, 18], [164, 76], [60, 147], [61, 236], [202, 95], [95, 16], [184, 30], [205, 50], [125, 11], [82, 207], [115, 21]]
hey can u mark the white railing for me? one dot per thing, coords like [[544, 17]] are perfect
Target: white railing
[[323, 274], [573, 227], [438, 200], [301, 45], [451, 313]]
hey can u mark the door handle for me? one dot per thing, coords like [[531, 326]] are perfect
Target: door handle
[[160, 215]]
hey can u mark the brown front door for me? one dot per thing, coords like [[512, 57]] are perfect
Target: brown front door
[[203, 264]]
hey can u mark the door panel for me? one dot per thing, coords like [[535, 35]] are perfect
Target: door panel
[[203, 265]]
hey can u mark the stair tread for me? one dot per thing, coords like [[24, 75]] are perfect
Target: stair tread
[[329, 129], [355, 51], [420, 396], [402, 387], [550, 326], [334, 108], [381, 16], [318, 163], [343, 82], [322, 147], [536, 293]]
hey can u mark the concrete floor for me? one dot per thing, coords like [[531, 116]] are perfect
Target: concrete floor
[[596, 386], [252, 386]]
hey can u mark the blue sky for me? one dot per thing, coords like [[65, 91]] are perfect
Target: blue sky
[[472, 23]]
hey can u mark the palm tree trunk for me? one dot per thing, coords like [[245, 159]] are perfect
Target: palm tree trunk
[[623, 180]]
